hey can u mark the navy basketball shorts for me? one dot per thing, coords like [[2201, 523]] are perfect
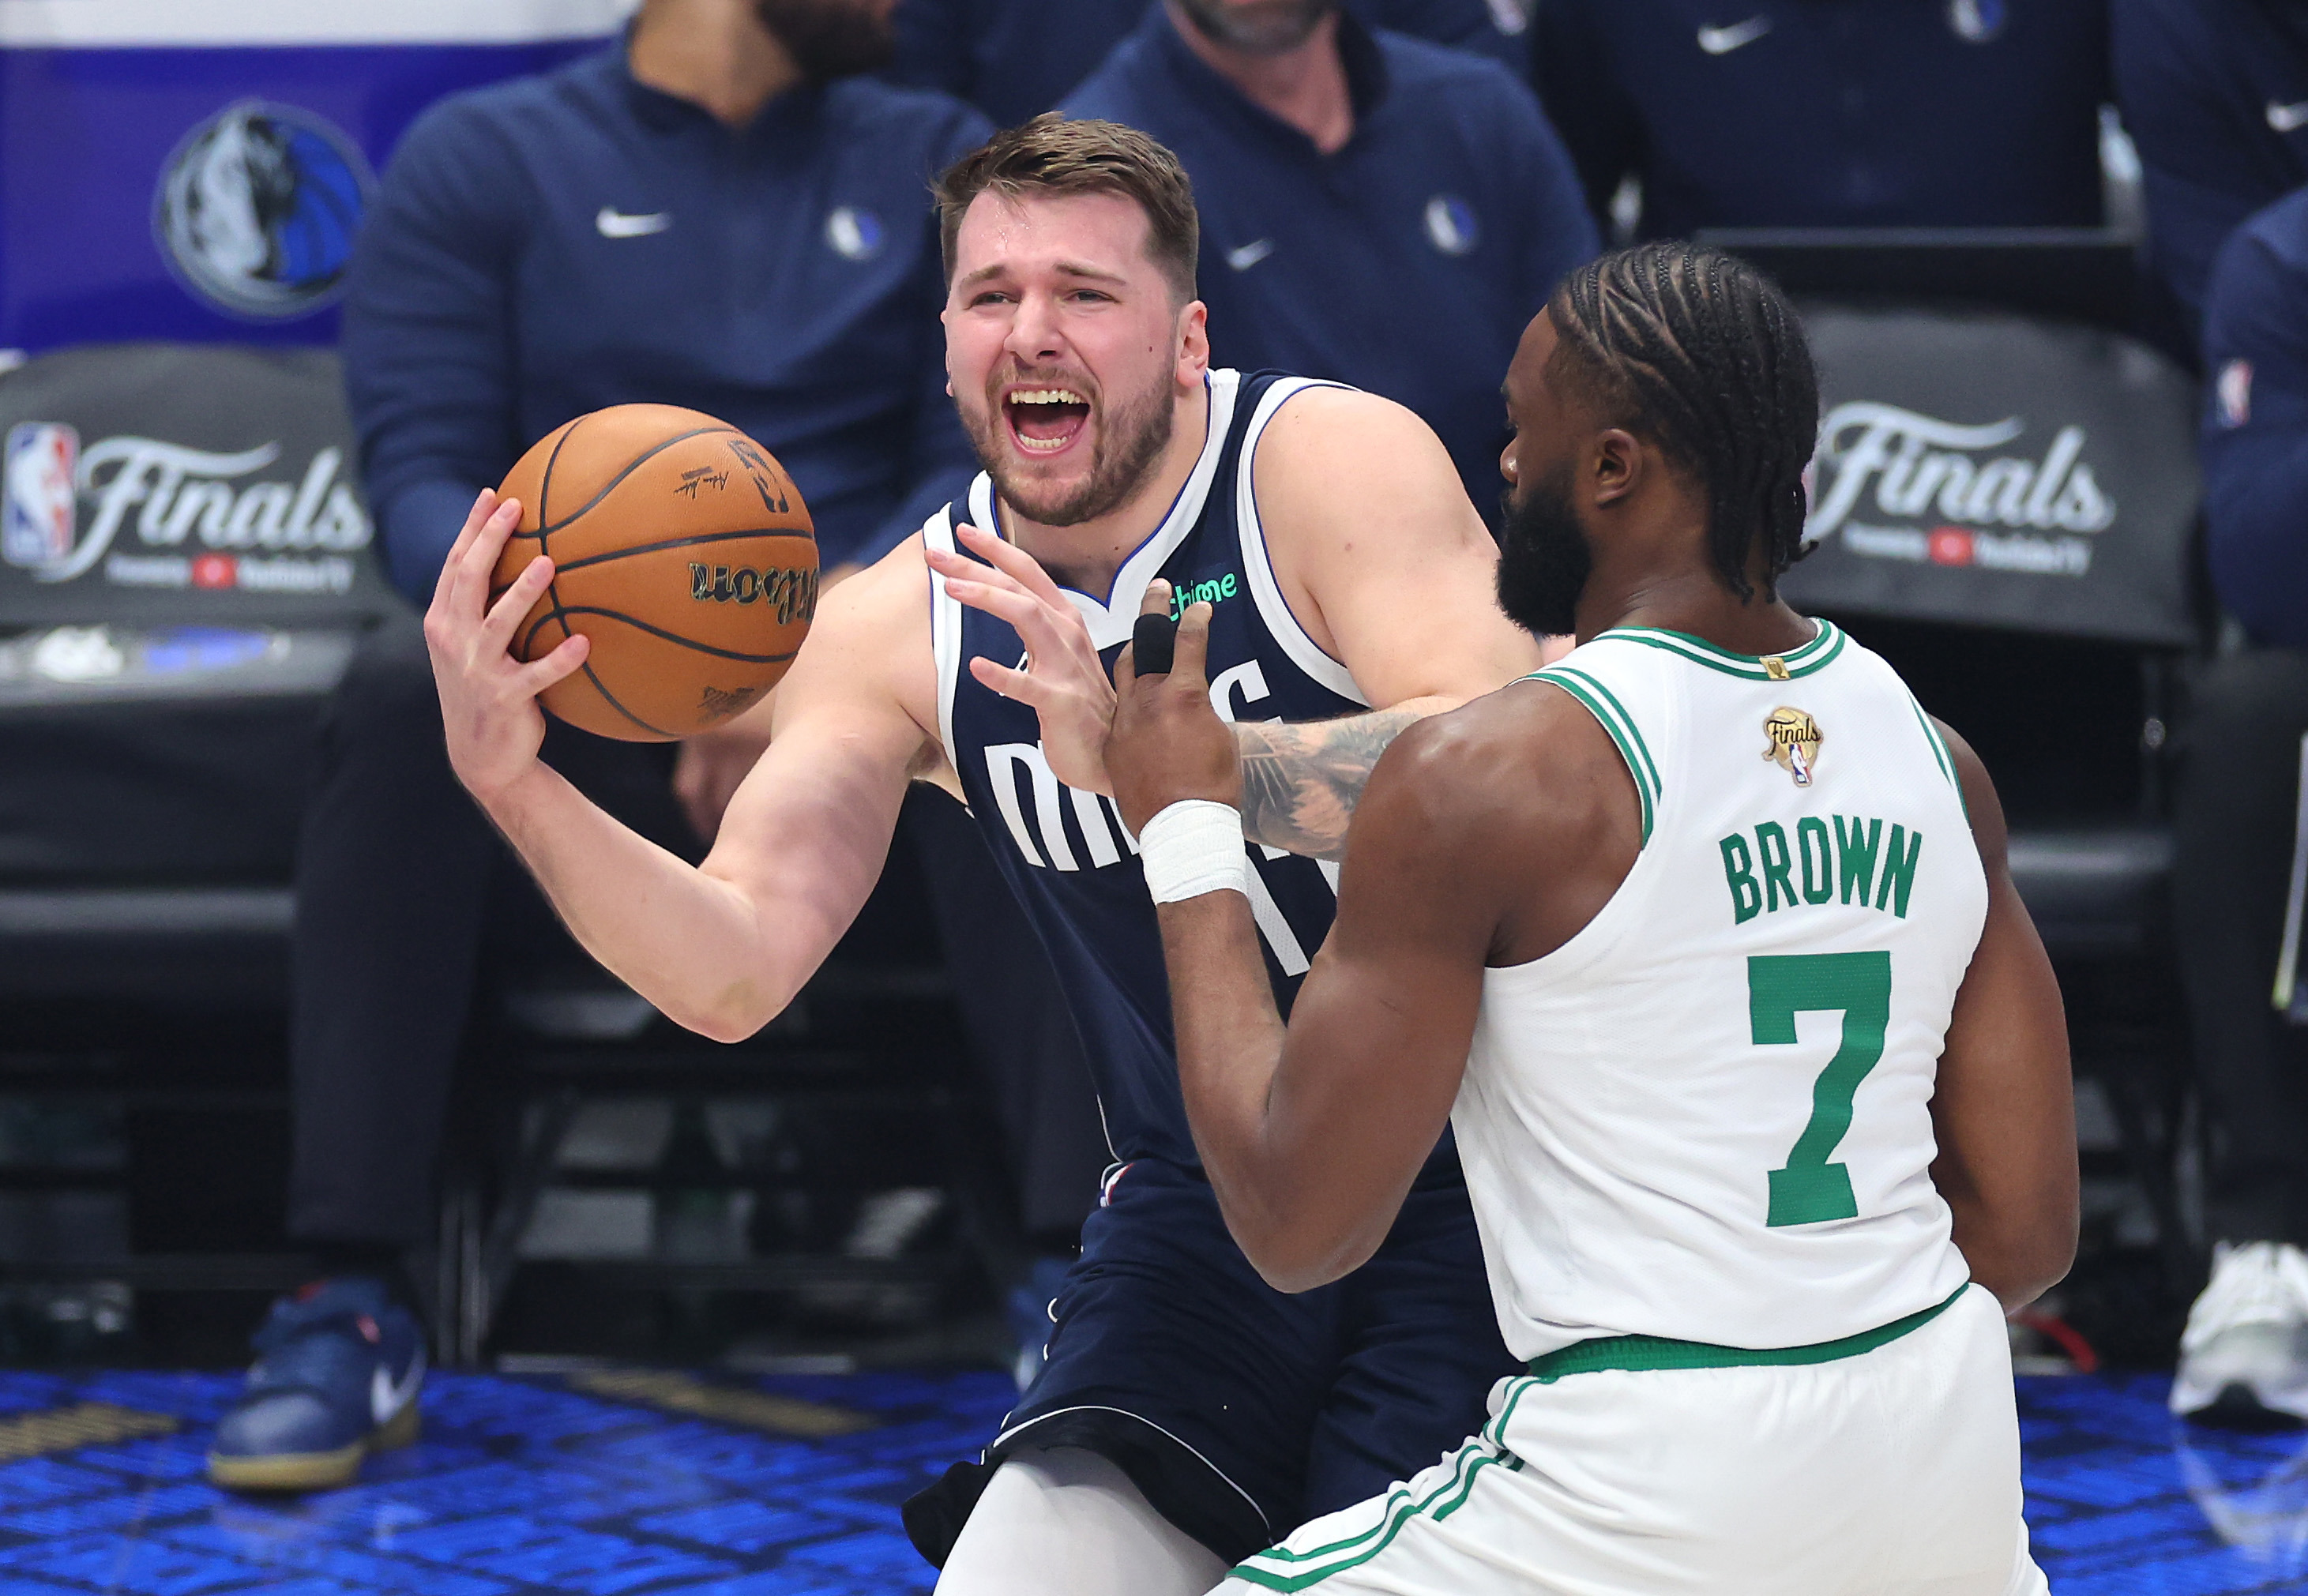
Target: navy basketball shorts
[[1238, 1410]]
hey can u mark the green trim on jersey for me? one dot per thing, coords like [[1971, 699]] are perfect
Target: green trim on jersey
[[1612, 716], [1940, 752], [1648, 1353], [1811, 657], [1357, 1550]]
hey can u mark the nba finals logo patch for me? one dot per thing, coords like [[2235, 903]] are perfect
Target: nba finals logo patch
[[1795, 742]]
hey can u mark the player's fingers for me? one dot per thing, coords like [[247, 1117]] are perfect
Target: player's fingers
[[563, 663], [1156, 601], [1015, 563], [1194, 647], [1125, 673], [479, 562], [1011, 683], [485, 503], [1028, 617], [516, 602]]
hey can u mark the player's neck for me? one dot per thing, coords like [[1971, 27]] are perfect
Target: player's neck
[[1306, 86], [1696, 601], [714, 54], [1087, 555]]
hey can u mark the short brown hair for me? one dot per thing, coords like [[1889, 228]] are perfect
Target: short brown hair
[[1052, 155]]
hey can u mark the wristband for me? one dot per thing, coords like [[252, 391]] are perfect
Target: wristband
[[1191, 847]]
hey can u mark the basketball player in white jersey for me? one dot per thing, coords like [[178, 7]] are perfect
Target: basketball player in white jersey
[[1704, 941]]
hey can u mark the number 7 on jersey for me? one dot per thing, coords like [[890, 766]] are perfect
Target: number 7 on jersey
[[1809, 1189]]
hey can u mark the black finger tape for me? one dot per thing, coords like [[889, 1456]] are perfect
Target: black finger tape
[[1153, 644]]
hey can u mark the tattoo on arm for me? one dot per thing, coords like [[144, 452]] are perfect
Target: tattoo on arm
[[1300, 783]]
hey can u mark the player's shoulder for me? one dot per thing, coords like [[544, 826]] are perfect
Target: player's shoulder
[[1492, 766], [1327, 421]]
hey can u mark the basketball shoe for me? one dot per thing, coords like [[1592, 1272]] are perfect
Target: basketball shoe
[[338, 1369], [2244, 1353]]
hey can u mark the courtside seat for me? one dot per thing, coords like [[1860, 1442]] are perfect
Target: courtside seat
[[2094, 892]]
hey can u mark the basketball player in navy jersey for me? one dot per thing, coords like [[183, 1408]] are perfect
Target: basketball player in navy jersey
[[1187, 1414]]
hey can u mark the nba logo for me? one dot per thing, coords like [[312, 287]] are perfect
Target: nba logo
[[37, 509]]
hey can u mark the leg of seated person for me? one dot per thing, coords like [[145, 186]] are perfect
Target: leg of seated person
[[393, 867], [2234, 819], [1067, 1521]]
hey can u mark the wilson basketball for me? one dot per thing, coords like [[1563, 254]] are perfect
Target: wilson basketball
[[681, 547]]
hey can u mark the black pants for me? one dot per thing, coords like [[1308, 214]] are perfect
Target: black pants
[[2238, 793], [409, 905]]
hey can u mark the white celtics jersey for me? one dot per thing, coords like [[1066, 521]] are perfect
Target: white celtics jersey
[[1706, 1116]]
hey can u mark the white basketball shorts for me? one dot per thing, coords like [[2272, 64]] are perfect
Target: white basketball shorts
[[1893, 1471]]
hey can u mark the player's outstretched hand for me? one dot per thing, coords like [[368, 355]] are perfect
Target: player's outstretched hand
[[488, 699], [1166, 743], [1061, 676]]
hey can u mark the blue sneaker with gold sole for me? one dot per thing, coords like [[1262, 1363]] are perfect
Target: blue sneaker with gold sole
[[338, 1369]]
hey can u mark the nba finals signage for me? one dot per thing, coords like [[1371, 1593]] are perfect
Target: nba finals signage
[[1993, 469], [160, 482], [237, 150]]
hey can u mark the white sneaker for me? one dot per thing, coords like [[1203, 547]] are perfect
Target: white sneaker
[[2244, 1353]]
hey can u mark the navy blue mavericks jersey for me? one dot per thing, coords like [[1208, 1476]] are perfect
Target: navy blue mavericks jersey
[[1065, 853]]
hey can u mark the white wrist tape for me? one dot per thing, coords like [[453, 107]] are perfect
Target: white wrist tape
[[1193, 848]]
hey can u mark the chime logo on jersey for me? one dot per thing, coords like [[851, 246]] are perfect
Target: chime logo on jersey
[[1795, 739]]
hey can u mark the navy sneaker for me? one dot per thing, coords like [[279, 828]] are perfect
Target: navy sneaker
[[336, 1376]]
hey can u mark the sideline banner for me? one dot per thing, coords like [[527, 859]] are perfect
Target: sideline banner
[[181, 483], [195, 169], [1998, 470]]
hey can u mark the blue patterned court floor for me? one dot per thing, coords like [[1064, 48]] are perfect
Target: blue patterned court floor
[[653, 1484]]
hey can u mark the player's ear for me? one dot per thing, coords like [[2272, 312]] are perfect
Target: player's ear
[[1193, 342], [1615, 466]]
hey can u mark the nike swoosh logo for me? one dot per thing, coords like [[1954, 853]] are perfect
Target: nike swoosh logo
[[386, 1396], [1249, 254], [616, 224], [2289, 118], [1722, 41]]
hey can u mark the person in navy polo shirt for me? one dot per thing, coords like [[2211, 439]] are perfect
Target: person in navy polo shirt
[[721, 213], [1831, 113], [2245, 1351], [1014, 58], [2214, 95], [1375, 209]]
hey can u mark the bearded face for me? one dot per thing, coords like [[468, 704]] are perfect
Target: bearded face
[[832, 39], [1258, 27], [1543, 557], [1027, 415]]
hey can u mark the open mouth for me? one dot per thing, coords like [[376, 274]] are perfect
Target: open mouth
[[1044, 420]]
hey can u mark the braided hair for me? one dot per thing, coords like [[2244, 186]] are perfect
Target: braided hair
[[1701, 353]]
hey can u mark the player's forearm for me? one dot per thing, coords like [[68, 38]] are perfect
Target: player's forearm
[[1230, 1045], [1301, 780], [690, 944]]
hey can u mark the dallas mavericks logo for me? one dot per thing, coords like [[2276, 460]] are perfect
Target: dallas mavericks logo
[[1451, 225], [854, 235], [257, 208], [1977, 21]]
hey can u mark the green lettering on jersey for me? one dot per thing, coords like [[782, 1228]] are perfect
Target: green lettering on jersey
[[1818, 885], [1854, 858], [1771, 847], [1739, 875], [1899, 870]]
